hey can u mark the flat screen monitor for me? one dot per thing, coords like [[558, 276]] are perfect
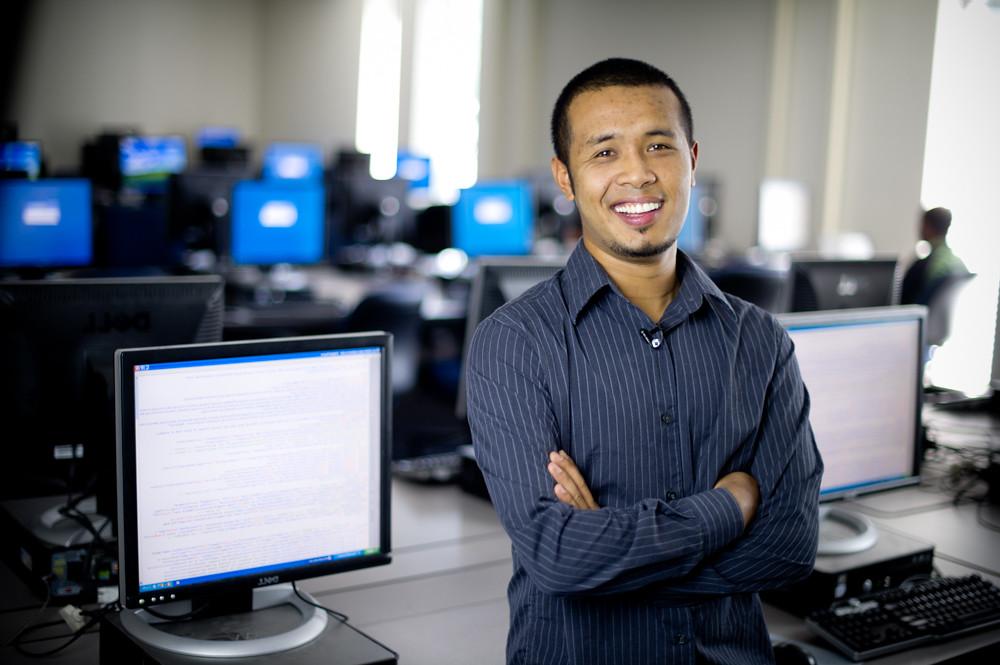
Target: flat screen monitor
[[217, 137], [864, 372], [17, 157], [57, 344], [494, 219], [821, 283], [148, 161], [497, 281], [245, 465], [45, 223], [414, 169], [277, 222], [701, 209], [293, 161]]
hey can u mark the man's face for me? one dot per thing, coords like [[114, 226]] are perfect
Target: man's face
[[630, 170]]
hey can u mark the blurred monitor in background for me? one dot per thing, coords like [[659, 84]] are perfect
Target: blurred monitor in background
[[45, 223], [698, 225], [494, 218], [277, 222], [293, 161], [147, 162], [20, 159]]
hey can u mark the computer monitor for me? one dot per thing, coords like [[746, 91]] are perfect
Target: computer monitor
[[21, 157], [824, 283], [497, 281], [414, 169], [199, 204], [276, 222], [45, 223], [217, 136], [146, 162], [245, 465], [57, 343], [702, 209], [494, 219], [293, 161], [863, 369]]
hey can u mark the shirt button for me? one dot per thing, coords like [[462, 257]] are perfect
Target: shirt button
[[667, 418], [655, 343], [680, 639], [671, 495]]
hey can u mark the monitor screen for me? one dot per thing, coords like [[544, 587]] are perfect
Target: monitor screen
[[820, 284], [293, 161], [498, 281], [494, 218], [149, 160], [21, 157], [45, 223], [274, 222], [414, 169], [864, 372], [57, 343], [694, 233], [248, 464], [217, 137]]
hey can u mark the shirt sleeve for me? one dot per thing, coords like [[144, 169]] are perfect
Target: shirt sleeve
[[779, 547], [563, 550]]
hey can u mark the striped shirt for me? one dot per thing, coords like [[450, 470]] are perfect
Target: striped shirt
[[663, 572]]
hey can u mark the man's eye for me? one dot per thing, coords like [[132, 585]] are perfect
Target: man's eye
[[659, 146], [604, 153]]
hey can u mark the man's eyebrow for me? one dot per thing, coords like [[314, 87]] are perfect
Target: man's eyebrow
[[601, 138], [669, 133]]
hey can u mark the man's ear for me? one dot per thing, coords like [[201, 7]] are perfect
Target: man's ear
[[560, 173], [694, 162]]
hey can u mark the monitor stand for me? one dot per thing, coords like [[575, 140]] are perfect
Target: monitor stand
[[844, 531], [238, 635]]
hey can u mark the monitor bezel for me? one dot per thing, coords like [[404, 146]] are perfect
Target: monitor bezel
[[129, 595], [863, 315]]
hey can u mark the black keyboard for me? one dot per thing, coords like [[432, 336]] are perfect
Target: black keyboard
[[897, 619], [435, 467]]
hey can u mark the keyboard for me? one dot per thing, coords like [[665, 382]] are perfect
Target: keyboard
[[913, 615], [431, 468]]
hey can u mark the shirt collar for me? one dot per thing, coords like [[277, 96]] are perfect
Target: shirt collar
[[584, 278]]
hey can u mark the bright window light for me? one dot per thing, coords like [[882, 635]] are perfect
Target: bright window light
[[960, 173], [444, 116], [377, 131]]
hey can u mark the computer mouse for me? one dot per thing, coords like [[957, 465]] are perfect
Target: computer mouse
[[787, 653]]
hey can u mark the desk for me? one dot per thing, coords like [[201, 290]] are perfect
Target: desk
[[443, 598]]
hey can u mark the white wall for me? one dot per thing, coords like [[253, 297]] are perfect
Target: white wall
[[286, 69], [308, 72], [159, 66]]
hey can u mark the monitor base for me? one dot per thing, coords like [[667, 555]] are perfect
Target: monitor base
[[862, 534]]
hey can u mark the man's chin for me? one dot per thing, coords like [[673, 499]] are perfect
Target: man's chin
[[646, 250]]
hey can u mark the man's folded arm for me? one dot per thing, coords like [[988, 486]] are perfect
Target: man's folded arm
[[780, 545], [567, 551]]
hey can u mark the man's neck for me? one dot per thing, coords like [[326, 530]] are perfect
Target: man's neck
[[649, 284]]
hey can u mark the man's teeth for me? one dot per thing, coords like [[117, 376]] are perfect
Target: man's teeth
[[636, 208]]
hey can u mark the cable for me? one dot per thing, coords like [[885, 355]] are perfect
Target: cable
[[343, 620], [95, 617], [983, 522], [26, 626]]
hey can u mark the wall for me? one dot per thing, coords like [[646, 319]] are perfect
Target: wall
[[158, 66]]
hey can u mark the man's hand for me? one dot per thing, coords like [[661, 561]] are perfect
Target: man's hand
[[570, 486], [744, 489]]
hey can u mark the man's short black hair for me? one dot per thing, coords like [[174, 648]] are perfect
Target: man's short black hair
[[939, 220], [610, 72]]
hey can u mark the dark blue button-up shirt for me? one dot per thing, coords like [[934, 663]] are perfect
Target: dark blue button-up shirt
[[663, 572]]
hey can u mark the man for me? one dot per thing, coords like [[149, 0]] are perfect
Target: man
[[644, 437], [931, 273]]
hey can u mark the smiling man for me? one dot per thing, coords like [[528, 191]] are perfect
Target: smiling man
[[644, 437]]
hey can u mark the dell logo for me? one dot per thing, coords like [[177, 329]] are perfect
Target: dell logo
[[270, 579], [117, 322]]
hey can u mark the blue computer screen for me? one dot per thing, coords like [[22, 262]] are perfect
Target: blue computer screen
[[274, 222], [45, 223], [692, 236], [218, 137], [151, 158], [21, 156], [494, 218], [293, 161], [413, 168]]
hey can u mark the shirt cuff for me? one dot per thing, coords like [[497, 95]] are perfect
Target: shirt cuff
[[721, 516]]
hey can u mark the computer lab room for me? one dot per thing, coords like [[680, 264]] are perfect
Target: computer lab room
[[320, 341]]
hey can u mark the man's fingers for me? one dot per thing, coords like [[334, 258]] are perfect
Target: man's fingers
[[570, 466], [563, 471]]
